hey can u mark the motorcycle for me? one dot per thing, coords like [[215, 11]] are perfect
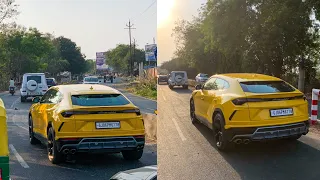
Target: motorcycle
[[12, 90]]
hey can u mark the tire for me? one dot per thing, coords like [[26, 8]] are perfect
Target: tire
[[23, 99], [185, 87], [170, 86], [54, 156], [193, 117], [219, 133], [32, 139], [132, 155]]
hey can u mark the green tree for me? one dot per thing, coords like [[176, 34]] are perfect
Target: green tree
[[118, 58], [69, 51]]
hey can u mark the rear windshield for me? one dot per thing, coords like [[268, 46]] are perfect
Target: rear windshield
[[99, 100], [266, 87], [204, 75], [179, 74], [50, 81], [35, 78], [91, 79]]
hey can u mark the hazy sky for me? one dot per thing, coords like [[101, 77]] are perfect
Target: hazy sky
[[182, 9], [95, 25]]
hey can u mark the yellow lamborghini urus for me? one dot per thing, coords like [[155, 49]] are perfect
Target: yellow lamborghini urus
[[86, 118], [243, 107]]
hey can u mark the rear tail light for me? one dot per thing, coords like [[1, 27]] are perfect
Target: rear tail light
[[241, 101], [66, 114], [70, 139], [0, 174]]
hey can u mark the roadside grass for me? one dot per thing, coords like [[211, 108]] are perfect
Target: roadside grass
[[145, 88]]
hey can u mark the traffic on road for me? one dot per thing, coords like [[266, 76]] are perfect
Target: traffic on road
[[50, 134], [235, 126]]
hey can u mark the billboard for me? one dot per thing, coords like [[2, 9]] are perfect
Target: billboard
[[151, 52], [101, 61]]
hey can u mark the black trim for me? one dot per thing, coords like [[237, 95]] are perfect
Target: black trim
[[60, 126], [234, 112]]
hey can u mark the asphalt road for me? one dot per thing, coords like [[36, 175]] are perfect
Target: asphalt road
[[187, 151], [28, 162]]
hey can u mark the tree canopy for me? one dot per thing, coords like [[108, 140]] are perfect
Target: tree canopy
[[118, 58], [260, 36]]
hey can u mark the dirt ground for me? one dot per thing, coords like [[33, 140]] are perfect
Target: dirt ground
[[315, 129]]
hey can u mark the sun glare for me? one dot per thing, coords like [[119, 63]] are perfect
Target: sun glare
[[164, 10]]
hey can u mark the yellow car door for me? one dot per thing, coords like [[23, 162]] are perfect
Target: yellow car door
[[213, 97], [200, 98], [47, 106]]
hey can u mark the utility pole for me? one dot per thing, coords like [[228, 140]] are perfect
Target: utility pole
[[134, 53], [302, 73], [130, 27]]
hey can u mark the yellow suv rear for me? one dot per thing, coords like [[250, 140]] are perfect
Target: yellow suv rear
[[249, 107], [86, 118]]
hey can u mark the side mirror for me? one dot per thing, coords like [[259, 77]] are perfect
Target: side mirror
[[156, 112], [36, 99], [198, 86]]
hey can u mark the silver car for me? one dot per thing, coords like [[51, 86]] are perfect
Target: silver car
[[143, 173], [201, 78]]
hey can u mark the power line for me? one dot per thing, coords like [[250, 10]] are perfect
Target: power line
[[153, 2]]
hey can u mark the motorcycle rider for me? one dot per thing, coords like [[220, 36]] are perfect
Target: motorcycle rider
[[11, 84]]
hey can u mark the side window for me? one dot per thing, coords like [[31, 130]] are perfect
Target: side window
[[51, 96], [210, 84], [222, 84]]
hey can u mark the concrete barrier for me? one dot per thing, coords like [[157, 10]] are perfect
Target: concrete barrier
[[150, 125]]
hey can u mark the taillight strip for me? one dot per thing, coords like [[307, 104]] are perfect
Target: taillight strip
[[70, 113], [241, 101]]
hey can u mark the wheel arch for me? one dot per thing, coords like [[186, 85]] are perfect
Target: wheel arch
[[215, 112]]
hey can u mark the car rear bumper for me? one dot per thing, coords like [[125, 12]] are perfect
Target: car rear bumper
[[101, 144], [267, 132]]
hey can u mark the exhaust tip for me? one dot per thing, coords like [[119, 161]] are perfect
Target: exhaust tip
[[65, 151], [238, 141], [246, 141], [72, 151]]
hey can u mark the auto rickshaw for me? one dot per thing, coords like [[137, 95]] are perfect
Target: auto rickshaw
[[4, 150]]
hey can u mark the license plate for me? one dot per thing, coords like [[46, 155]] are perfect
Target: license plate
[[281, 112], [107, 125]]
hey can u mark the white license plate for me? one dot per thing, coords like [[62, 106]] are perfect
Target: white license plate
[[32, 94], [107, 125], [281, 112]]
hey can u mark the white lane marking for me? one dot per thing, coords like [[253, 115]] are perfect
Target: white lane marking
[[19, 158], [14, 103], [150, 109], [14, 122], [183, 138], [164, 97], [139, 96]]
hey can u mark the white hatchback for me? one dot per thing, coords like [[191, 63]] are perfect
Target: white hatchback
[[91, 80], [33, 84]]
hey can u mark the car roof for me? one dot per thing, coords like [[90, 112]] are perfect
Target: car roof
[[178, 72], [249, 77], [33, 74], [87, 88]]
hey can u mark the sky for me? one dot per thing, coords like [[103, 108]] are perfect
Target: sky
[[180, 9], [94, 25]]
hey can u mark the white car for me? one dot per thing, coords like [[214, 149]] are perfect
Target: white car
[[178, 78], [143, 173], [91, 80], [33, 84], [201, 78]]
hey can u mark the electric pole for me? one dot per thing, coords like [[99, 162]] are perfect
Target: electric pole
[[134, 53], [130, 27]]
